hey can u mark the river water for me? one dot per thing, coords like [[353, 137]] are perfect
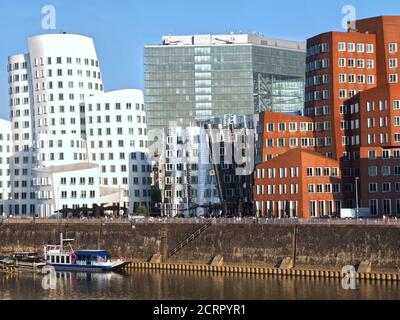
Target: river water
[[171, 285]]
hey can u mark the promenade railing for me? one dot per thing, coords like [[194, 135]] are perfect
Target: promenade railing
[[215, 221]]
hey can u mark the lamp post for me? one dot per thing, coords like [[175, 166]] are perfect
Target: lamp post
[[356, 182], [58, 203], [3, 213]]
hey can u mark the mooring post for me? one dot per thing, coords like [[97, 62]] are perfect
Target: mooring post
[[294, 245]]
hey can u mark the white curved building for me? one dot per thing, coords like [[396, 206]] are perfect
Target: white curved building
[[5, 154], [51, 90], [116, 132]]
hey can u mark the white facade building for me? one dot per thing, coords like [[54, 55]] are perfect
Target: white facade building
[[5, 154], [66, 186], [54, 93], [116, 133]]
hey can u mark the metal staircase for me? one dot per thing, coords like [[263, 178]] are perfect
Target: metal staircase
[[190, 239]]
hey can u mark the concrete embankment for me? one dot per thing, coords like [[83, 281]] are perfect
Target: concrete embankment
[[313, 247]]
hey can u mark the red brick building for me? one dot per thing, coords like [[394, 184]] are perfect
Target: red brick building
[[352, 97], [298, 183]]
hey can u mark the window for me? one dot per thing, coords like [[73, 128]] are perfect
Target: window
[[351, 47], [360, 47], [292, 126], [342, 63], [385, 171], [396, 104], [373, 171], [370, 64], [392, 63], [372, 155], [386, 187], [371, 122], [373, 187], [342, 46], [393, 78], [370, 48], [270, 127], [392, 47]]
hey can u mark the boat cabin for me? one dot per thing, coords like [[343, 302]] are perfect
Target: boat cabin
[[89, 257]]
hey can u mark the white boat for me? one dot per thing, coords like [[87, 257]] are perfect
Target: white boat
[[64, 258], [28, 260]]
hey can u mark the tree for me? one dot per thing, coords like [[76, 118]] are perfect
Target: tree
[[143, 211], [155, 194]]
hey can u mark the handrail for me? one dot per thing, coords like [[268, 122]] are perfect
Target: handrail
[[219, 221], [189, 239]]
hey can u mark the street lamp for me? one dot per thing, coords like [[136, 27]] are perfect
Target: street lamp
[[4, 199], [121, 202], [356, 182], [58, 203]]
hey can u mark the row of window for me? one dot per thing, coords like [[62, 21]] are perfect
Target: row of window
[[385, 154], [356, 63], [385, 187], [353, 47], [323, 208], [386, 206], [4, 137], [118, 118], [290, 126], [59, 60], [296, 142], [352, 78], [385, 171], [208, 193], [317, 49], [324, 188], [383, 122], [73, 181], [277, 189], [384, 138], [383, 105], [117, 106]]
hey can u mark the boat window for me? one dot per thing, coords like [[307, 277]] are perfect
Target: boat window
[[58, 259], [67, 258], [52, 259], [62, 259]]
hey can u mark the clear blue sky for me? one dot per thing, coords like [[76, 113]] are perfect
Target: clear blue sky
[[121, 28]]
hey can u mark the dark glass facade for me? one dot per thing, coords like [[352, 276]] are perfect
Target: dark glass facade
[[187, 83]]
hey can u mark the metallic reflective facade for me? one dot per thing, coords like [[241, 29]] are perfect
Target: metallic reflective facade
[[196, 81]]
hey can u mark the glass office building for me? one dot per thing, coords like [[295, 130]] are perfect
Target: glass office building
[[196, 77]]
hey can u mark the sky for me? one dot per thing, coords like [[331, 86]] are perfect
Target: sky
[[120, 28]]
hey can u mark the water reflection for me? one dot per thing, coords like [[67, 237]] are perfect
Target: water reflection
[[178, 285]]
